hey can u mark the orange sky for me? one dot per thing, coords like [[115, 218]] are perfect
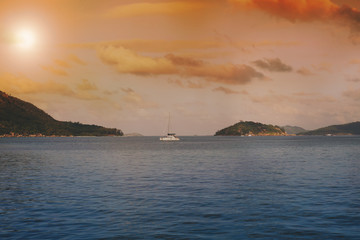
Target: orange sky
[[127, 64]]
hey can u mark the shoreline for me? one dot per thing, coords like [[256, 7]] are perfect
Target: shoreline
[[49, 136]]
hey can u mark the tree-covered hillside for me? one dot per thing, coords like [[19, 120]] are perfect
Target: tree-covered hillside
[[344, 129], [251, 128], [293, 129], [23, 118]]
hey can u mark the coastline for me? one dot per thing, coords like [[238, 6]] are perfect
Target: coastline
[[16, 135]]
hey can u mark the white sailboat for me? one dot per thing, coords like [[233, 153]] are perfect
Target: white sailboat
[[170, 136]]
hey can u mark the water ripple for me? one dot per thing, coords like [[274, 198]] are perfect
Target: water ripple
[[198, 188]]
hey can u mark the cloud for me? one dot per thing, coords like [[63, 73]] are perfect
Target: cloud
[[226, 73], [21, 84], [352, 94], [306, 10], [353, 79], [322, 67], [227, 90], [85, 95], [150, 45], [305, 72], [160, 8], [130, 62], [110, 92], [305, 94], [86, 85], [350, 16], [56, 71], [188, 83], [273, 65], [127, 61], [76, 59], [69, 59], [184, 61], [166, 46], [62, 63]]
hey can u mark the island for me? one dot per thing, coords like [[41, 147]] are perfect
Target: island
[[293, 129], [249, 128], [19, 118], [352, 128]]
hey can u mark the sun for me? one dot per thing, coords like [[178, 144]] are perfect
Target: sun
[[25, 38]]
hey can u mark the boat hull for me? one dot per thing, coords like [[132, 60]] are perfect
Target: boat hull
[[169, 138]]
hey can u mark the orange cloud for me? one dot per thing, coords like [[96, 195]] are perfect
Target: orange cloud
[[150, 45], [160, 8], [306, 10], [70, 59], [188, 83], [76, 59], [273, 65], [55, 71], [127, 61], [166, 46], [305, 72], [353, 79], [226, 73], [225, 90], [322, 67], [184, 61], [352, 94], [62, 63], [20, 84], [86, 85]]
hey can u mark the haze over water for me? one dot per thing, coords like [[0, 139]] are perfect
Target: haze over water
[[197, 188]]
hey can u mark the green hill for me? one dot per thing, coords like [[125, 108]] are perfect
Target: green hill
[[344, 129], [251, 128], [293, 129], [18, 117]]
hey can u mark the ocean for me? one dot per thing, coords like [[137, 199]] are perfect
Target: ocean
[[289, 187]]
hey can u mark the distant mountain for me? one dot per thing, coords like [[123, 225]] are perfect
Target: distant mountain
[[18, 117], [293, 129], [251, 128], [133, 135], [344, 129]]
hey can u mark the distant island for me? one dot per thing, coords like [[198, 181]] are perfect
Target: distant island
[[344, 129], [133, 135], [19, 118], [293, 129], [249, 128]]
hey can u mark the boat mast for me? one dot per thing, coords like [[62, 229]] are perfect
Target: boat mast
[[168, 124]]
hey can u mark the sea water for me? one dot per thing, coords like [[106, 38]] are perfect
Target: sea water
[[196, 188]]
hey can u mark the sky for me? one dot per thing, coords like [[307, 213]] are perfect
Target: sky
[[208, 63]]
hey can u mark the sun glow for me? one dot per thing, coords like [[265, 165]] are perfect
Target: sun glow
[[25, 39]]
